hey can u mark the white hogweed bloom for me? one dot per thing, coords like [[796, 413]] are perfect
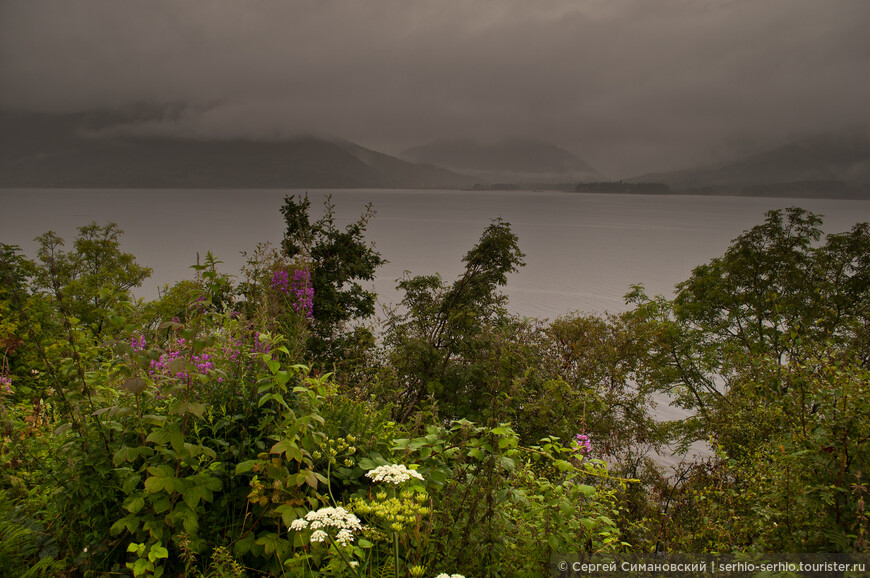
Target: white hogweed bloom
[[325, 518], [319, 536], [345, 537], [394, 474]]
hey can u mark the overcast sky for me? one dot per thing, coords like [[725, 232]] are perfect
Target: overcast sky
[[627, 85]]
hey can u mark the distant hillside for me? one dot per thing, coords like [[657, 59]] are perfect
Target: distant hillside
[[835, 167], [509, 160], [75, 150]]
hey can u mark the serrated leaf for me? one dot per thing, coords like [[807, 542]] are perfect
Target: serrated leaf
[[135, 504], [243, 545], [553, 541], [280, 399], [130, 484], [366, 464], [245, 466], [176, 439], [311, 479], [212, 484], [287, 512], [193, 495], [178, 365], [196, 408], [161, 504], [154, 484], [285, 446], [563, 466], [157, 552], [508, 464], [130, 523], [135, 385], [121, 456], [587, 491], [154, 419], [161, 470], [62, 429], [159, 437], [190, 523]]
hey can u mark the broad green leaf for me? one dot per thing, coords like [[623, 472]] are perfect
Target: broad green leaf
[[130, 523], [157, 420], [273, 366], [157, 552], [178, 365], [155, 484], [245, 466], [161, 470], [135, 504], [311, 479], [563, 466], [135, 385], [587, 491]]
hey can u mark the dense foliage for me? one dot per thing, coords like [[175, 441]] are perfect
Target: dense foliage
[[260, 428]]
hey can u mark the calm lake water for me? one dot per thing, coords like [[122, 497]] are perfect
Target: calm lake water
[[583, 251]]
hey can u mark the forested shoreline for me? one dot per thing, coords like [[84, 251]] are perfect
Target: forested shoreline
[[264, 425]]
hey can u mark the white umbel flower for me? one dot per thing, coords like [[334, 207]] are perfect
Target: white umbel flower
[[345, 537], [394, 474], [338, 518], [319, 536], [325, 518]]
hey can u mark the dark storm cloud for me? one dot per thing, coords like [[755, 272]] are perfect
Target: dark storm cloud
[[628, 85]]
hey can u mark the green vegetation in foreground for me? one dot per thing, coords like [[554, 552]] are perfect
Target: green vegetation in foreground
[[260, 428]]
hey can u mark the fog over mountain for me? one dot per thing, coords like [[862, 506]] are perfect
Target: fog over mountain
[[836, 165], [508, 160], [97, 150], [629, 86]]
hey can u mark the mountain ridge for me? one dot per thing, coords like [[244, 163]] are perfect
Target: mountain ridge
[[840, 163], [82, 150], [508, 159]]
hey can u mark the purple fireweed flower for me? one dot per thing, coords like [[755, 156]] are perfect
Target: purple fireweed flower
[[259, 347], [232, 351], [303, 293], [6, 385], [137, 343], [583, 444], [281, 281]]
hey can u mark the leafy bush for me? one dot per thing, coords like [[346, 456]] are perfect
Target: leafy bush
[[200, 433]]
